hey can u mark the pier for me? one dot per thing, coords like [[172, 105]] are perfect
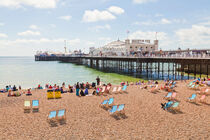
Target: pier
[[177, 68]]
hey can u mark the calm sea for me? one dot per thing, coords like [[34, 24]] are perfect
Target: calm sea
[[27, 72]]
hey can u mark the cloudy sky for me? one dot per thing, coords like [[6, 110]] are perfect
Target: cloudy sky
[[27, 26]]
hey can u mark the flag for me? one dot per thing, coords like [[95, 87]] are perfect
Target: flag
[[128, 31]]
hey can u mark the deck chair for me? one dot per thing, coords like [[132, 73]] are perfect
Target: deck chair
[[173, 96], [27, 106], [50, 94], [104, 103], [124, 88], [121, 109], [61, 116], [103, 89], [192, 98], [52, 118], [169, 104], [111, 100], [168, 95], [113, 110], [119, 89], [190, 84], [35, 105], [57, 94], [203, 99], [52, 115], [175, 106], [114, 90]]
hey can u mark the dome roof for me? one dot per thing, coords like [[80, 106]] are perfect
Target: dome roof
[[114, 44]]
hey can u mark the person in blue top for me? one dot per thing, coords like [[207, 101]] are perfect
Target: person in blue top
[[77, 89]]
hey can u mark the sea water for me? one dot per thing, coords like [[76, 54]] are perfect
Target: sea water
[[28, 73]]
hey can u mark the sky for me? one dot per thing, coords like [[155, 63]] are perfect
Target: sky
[[28, 26]]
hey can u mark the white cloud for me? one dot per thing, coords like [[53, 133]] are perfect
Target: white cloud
[[100, 27], [143, 1], [3, 35], [165, 21], [197, 36], [34, 27], [96, 15], [32, 3], [67, 18], [29, 33], [1, 24], [116, 10]]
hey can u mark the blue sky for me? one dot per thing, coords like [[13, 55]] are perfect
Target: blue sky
[[29, 26]]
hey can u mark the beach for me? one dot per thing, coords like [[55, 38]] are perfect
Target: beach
[[144, 118]]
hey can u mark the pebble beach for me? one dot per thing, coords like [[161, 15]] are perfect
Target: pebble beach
[[85, 119]]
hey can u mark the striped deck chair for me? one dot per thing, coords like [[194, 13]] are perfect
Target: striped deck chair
[[27, 106], [113, 110], [61, 116], [192, 98], [35, 105], [168, 95]]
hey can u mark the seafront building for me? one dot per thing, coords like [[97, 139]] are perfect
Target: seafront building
[[127, 47]]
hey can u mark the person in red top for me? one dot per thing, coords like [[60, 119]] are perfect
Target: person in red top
[[50, 87], [39, 86]]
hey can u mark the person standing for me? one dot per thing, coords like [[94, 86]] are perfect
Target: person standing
[[98, 80], [77, 89]]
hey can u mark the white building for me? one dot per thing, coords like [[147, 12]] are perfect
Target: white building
[[120, 48]]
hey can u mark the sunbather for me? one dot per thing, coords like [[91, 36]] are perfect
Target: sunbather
[[29, 92]]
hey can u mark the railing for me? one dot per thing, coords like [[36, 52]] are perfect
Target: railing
[[154, 56]]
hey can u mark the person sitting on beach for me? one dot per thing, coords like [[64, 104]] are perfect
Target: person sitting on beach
[[46, 86], [61, 89], [29, 92], [87, 85], [82, 93], [10, 93], [39, 86], [55, 86], [50, 87], [63, 85], [86, 91], [7, 88], [20, 88], [14, 88]]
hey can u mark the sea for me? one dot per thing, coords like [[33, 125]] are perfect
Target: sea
[[28, 73]]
